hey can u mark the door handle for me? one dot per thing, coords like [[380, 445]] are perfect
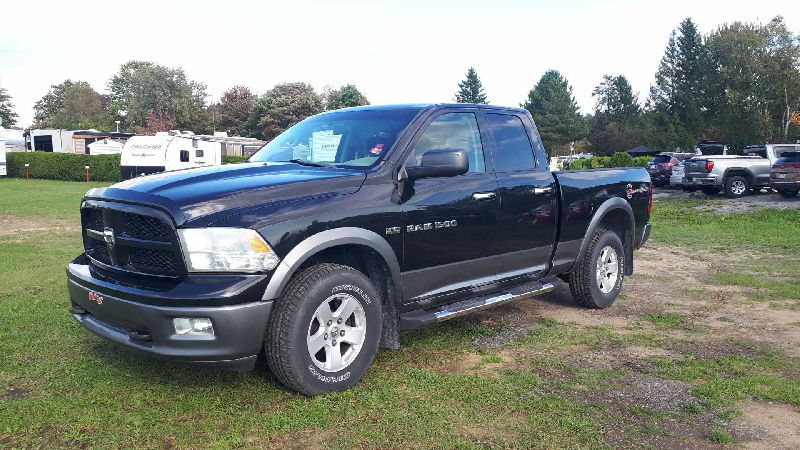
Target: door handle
[[546, 190], [483, 195]]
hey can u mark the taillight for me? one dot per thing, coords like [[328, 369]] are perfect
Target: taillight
[[709, 166], [650, 196]]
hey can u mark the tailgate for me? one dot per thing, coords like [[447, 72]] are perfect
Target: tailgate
[[695, 166]]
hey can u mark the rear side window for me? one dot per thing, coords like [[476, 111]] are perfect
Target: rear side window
[[789, 157], [514, 151], [662, 159]]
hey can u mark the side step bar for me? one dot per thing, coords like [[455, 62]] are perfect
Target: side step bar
[[418, 319]]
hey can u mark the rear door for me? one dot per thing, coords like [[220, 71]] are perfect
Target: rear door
[[527, 196], [451, 233]]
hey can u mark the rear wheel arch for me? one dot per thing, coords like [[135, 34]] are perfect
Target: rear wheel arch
[[614, 215], [359, 248], [746, 174]]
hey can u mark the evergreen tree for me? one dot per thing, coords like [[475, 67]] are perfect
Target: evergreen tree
[[555, 112], [615, 124], [471, 90], [7, 109]]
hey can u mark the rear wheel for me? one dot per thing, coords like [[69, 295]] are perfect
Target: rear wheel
[[710, 190], [597, 280], [736, 187], [324, 331], [787, 193]]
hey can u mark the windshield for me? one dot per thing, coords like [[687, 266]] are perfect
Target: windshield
[[341, 139]]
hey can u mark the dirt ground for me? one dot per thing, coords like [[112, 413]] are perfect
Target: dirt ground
[[663, 284]]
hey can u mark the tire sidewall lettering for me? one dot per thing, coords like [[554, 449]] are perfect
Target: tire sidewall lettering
[[352, 289]]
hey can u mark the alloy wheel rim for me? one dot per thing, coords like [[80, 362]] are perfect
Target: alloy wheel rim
[[607, 269], [336, 332], [738, 187]]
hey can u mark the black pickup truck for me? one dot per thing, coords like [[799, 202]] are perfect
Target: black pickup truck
[[343, 230]]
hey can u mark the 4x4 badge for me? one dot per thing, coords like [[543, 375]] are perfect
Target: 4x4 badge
[[108, 236]]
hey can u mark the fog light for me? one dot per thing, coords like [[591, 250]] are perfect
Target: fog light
[[200, 326]]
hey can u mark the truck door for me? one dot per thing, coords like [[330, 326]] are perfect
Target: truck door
[[527, 192], [451, 233]]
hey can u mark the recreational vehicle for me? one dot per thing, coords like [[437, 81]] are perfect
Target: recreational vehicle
[[2, 151], [68, 141]]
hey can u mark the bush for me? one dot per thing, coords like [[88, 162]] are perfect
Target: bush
[[64, 166], [621, 159], [232, 159], [642, 161]]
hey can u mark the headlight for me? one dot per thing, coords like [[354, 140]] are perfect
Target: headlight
[[226, 250]]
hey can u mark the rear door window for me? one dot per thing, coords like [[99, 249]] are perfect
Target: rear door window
[[514, 151]]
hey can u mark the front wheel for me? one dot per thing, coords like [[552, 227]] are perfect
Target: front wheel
[[787, 193], [324, 331], [597, 280]]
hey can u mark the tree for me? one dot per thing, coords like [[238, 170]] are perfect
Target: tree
[[7, 109], [555, 112], [741, 110], [142, 86], [281, 107], [680, 100], [471, 89], [157, 122], [345, 97], [234, 108], [783, 75], [615, 125], [72, 105]]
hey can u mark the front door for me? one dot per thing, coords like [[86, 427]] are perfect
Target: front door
[[451, 233], [527, 193]]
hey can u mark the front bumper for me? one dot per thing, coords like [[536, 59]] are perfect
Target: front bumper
[[121, 317]]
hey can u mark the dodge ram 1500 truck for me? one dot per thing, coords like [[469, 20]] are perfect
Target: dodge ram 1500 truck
[[344, 229]]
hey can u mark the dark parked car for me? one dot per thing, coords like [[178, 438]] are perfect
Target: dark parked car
[[343, 230], [785, 174], [660, 168]]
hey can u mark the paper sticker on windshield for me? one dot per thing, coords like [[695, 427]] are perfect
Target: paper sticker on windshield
[[377, 149]]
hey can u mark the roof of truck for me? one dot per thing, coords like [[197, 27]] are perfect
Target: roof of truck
[[421, 106]]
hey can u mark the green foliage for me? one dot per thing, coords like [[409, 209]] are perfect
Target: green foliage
[[281, 107], [7, 109], [617, 120], [64, 166], [232, 159], [73, 106], [233, 109], [142, 86], [555, 112], [471, 89], [345, 97], [620, 159]]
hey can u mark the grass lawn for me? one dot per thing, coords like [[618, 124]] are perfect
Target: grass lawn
[[60, 386]]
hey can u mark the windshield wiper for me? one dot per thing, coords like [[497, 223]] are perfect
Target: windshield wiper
[[304, 162]]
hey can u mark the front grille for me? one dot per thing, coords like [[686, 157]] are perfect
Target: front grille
[[144, 241], [140, 226], [144, 259]]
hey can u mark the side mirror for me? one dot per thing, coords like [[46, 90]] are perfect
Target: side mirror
[[443, 162]]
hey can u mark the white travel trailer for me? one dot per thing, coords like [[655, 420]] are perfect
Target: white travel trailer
[[105, 146], [3, 171], [174, 150]]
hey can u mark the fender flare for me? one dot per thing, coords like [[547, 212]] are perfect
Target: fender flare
[[326, 239], [608, 206]]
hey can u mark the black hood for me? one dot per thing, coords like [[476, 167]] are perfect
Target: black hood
[[209, 190]]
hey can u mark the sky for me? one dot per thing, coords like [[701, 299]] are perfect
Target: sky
[[395, 52]]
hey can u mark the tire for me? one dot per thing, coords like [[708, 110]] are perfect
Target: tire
[[710, 190], [736, 187], [585, 283], [788, 193], [322, 291]]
